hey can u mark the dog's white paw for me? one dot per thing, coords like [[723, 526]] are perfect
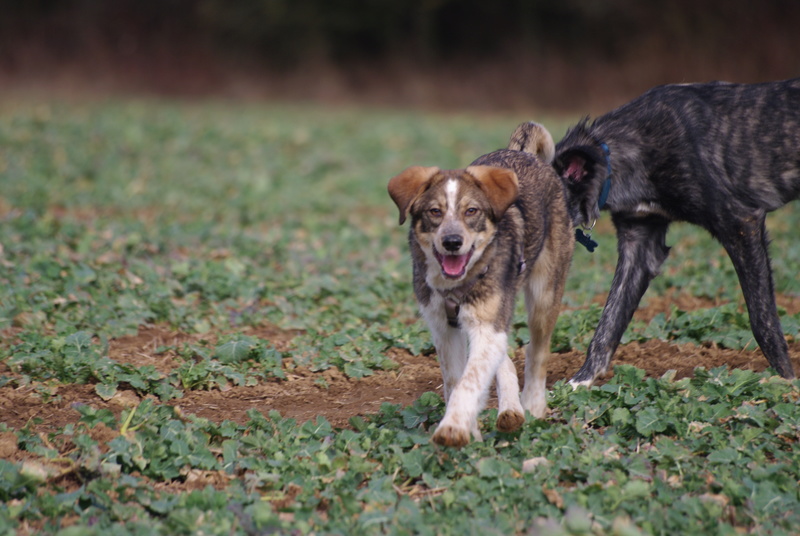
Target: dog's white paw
[[455, 431], [508, 421], [537, 410], [535, 402], [449, 435], [585, 383]]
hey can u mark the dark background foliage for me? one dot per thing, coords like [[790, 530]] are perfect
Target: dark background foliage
[[504, 53]]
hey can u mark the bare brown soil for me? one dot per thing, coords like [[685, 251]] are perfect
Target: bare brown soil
[[302, 397], [45, 409]]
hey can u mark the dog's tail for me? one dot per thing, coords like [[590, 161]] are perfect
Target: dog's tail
[[533, 138]]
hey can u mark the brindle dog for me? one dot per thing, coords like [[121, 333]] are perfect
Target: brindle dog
[[717, 155]]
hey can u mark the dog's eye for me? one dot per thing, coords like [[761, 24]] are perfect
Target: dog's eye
[[435, 212], [471, 211]]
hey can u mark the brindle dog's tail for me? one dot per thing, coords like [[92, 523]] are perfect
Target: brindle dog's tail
[[533, 138]]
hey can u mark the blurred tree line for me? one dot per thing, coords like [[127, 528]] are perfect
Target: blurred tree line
[[285, 31], [760, 39]]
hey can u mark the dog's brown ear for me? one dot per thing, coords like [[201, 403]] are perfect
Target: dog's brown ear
[[405, 188], [500, 185]]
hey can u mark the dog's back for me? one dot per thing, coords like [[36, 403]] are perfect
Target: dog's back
[[742, 138], [541, 196], [541, 192]]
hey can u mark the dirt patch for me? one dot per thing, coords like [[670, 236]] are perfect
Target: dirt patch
[[158, 345], [46, 408], [302, 398], [653, 305], [8, 445]]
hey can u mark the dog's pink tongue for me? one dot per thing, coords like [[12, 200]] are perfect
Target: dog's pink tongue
[[454, 264]]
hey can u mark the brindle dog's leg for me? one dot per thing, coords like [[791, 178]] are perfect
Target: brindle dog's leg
[[745, 240], [642, 250]]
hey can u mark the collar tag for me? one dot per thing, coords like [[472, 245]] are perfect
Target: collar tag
[[452, 308], [585, 239], [454, 296]]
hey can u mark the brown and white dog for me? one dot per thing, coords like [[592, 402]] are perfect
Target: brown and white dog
[[477, 236]]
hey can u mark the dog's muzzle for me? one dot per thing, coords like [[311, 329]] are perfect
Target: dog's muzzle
[[453, 266]]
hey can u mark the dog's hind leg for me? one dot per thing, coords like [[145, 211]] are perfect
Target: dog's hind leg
[[642, 250], [745, 240], [540, 323], [543, 293]]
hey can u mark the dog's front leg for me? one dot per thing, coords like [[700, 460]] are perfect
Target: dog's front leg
[[450, 343], [642, 250], [451, 348], [510, 414], [487, 350]]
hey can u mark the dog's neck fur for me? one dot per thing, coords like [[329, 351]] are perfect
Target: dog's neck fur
[[454, 297], [625, 161]]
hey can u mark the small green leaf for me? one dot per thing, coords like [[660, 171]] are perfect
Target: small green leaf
[[723, 455], [412, 418], [650, 421], [357, 369], [493, 467], [234, 351], [412, 463], [106, 391], [620, 416]]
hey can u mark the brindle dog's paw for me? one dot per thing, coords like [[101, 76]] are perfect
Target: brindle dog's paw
[[450, 436], [508, 421]]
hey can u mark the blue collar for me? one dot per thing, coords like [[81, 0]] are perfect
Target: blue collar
[[585, 239], [601, 201]]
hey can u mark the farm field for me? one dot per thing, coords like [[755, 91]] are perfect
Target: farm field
[[208, 327]]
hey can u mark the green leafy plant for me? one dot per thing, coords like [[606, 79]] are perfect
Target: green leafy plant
[[232, 222]]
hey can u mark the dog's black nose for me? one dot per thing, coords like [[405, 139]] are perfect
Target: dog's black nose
[[452, 242]]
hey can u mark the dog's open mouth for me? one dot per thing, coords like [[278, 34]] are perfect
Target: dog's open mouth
[[453, 266]]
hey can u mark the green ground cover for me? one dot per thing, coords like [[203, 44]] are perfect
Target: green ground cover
[[212, 217]]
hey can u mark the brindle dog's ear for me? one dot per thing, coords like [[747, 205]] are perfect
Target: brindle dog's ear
[[405, 188], [500, 185], [575, 165]]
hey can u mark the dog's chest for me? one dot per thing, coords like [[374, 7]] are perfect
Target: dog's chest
[[649, 208]]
